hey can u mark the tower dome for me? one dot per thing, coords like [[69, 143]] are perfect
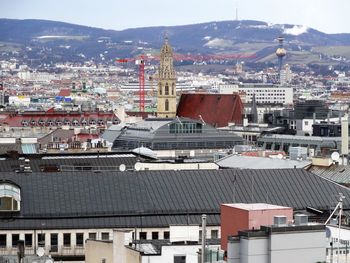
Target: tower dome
[[281, 52]]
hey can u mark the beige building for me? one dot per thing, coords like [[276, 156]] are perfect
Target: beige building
[[113, 251], [183, 246], [166, 102]]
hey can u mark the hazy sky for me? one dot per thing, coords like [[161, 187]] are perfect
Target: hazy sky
[[330, 16]]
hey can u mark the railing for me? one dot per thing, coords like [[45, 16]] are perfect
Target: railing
[[72, 168], [49, 250]]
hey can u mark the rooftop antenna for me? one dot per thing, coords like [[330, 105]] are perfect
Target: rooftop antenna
[[340, 208]]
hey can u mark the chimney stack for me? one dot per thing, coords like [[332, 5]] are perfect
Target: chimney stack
[[345, 139]]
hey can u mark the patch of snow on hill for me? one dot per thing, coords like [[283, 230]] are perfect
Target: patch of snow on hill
[[219, 43], [296, 30], [259, 26]]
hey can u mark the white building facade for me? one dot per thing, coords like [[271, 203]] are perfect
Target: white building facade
[[264, 93], [288, 244]]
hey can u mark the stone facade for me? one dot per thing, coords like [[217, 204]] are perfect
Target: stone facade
[[166, 102]]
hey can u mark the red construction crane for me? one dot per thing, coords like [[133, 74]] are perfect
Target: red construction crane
[[140, 60]]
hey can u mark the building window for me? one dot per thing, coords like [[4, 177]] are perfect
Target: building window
[[79, 239], [54, 242], [28, 240], [10, 197], [3, 240], [215, 234], [41, 240], [173, 89], [92, 236], [103, 260], [143, 235], [160, 89], [166, 91], [155, 235], [185, 127], [166, 235], [105, 236], [15, 238], [66, 240], [166, 105], [179, 259]]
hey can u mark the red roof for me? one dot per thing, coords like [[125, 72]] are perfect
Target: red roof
[[64, 93], [37, 117], [215, 109], [83, 137]]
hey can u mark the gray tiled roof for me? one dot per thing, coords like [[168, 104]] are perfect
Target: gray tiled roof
[[336, 173], [36, 164], [116, 199]]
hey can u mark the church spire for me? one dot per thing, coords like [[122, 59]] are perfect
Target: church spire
[[166, 102]]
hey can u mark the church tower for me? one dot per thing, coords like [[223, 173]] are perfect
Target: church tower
[[166, 95]]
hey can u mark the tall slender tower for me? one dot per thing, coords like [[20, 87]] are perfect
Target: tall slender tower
[[280, 53], [166, 102]]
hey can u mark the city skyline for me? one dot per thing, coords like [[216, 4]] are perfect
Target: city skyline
[[328, 17]]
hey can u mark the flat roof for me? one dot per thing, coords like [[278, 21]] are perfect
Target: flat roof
[[255, 162], [256, 206]]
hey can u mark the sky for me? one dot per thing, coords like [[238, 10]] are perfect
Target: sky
[[329, 16]]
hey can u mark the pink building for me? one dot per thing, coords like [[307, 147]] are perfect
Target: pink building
[[238, 217]]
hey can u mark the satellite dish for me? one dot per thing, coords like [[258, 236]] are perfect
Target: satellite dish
[[335, 156], [122, 167], [137, 166], [40, 251]]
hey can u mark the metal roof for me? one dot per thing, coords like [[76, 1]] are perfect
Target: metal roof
[[299, 137], [336, 173], [159, 198], [37, 164]]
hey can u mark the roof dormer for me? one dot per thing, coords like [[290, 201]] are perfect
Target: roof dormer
[[10, 197]]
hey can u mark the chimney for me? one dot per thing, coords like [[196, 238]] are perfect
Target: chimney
[[345, 139], [245, 121]]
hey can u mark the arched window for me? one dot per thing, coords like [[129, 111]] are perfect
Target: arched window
[[166, 105], [10, 197], [173, 89], [160, 89], [166, 92]]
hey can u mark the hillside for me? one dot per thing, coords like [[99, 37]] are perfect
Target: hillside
[[49, 42]]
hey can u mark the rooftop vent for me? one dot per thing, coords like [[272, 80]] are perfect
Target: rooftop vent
[[25, 168], [280, 220], [301, 220]]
